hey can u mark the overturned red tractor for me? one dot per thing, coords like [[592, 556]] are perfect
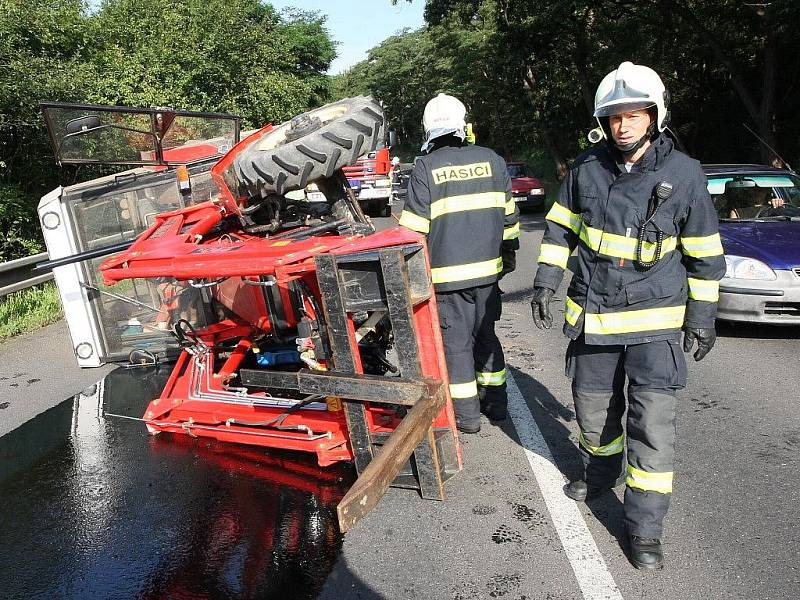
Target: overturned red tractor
[[325, 336]]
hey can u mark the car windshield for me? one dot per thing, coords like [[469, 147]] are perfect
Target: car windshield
[[517, 170], [746, 197]]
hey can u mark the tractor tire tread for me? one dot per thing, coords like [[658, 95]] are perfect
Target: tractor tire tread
[[320, 153]]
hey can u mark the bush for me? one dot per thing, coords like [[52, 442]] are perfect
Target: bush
[[19, 224]]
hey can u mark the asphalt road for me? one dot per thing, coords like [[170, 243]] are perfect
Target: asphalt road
[[732, 531], [506, 531]]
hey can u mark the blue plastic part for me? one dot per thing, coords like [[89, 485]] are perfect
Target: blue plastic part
[[287, 355]]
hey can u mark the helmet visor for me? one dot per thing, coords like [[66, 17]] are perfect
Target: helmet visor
[[623, 98]]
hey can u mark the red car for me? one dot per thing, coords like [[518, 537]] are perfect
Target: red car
[[527, 190]]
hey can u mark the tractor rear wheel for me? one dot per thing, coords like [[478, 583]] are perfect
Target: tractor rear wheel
[[311, 146]]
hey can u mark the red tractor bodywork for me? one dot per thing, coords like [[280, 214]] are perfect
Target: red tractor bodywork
[[196, 399], [320, 334]]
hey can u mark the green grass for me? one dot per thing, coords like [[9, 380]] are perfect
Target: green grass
[[29, 309]]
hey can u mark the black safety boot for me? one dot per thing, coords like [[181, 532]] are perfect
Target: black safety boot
[[580, 491], [468, 415], [494, 411], [494, 403], [646, 553], [468, 427]]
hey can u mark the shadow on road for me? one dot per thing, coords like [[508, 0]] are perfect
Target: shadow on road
[[757, 331], [548, 412]]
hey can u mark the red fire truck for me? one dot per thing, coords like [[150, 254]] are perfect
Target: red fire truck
[[371, 181]]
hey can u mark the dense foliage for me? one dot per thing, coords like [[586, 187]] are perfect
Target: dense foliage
[[237, 56], [528, 70]]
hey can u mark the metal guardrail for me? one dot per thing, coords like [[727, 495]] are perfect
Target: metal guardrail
[[17, 275]]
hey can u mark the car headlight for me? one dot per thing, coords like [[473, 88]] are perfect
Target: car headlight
[[741, 267]]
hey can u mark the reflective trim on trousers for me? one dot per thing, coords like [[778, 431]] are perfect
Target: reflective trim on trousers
[[460, 391], [649, 482], [487, 378], [614, 447]]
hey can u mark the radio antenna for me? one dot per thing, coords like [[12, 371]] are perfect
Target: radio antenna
[[771, 149]]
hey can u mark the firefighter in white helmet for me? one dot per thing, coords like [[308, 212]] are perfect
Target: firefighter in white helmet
[[459, 197], [649, 261]]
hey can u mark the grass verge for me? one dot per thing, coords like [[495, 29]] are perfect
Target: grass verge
[[29, 309]]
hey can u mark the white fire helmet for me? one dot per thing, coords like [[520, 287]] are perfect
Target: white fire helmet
[[631, 87], [444, 115]]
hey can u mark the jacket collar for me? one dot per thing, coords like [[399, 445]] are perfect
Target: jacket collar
[[654, 157]]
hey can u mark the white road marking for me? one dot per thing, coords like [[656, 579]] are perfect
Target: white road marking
[[590, 569]]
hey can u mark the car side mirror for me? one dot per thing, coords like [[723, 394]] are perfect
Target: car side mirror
[[82, 124], [392, 138]]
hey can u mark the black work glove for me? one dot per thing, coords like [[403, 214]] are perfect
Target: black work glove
[[540, 307], [706, 337]]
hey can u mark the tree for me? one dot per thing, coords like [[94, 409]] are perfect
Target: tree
[[237, 56]]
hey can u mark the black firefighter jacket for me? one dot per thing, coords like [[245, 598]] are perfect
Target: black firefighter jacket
[[600, 210], [460, 198]]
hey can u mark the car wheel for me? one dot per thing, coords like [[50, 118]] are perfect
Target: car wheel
[[311, 146]]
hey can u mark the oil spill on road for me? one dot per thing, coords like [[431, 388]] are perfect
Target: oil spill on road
[[94, 507]]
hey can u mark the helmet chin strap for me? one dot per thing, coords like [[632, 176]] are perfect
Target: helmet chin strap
[[650, 134]]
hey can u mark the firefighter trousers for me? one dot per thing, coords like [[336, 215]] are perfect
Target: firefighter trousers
[[654, 371], [475, 362]]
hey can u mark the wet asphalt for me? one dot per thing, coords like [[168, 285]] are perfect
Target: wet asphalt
[[94, 507]]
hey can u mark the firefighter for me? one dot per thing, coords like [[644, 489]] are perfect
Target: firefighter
[[649, 261], [459, 197]]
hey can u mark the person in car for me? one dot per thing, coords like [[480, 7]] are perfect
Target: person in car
[[749, 203]]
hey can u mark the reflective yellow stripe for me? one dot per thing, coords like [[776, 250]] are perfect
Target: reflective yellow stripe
[[510, 207], [700, 247], [572, 311], [453, 204], [489, 378], [591, 237], [700, 289], [614, 447], [463, 390], [563, 216], [554, 255], [630, 321], [618, 246], [415, 222], [512, 232], [649, 482], [468, 271]]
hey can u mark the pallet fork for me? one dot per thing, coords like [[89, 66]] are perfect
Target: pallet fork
[[417, 453]]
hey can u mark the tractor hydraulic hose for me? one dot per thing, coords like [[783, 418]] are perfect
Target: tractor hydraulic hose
[[311, 231], [305, 290]]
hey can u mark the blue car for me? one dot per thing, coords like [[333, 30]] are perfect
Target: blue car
[[759, 213]]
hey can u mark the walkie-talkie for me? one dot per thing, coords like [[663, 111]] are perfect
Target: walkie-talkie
[[660, 195]]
